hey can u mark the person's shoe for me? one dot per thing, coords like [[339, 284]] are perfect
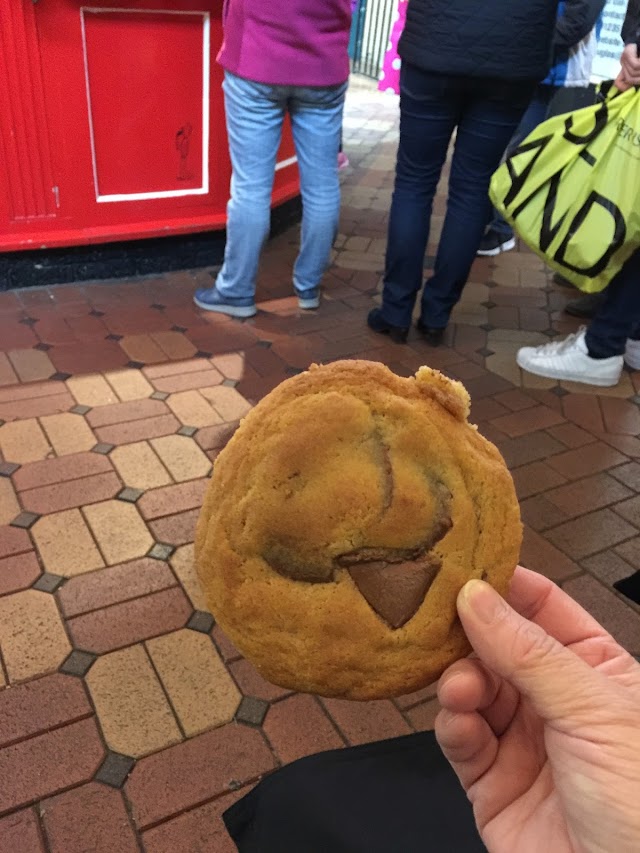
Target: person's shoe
[[569, 360], [377, 323], [310, 301], [209, 299], [494, 243], [585, 307], [562, 281], [431, 335], [632, 354]]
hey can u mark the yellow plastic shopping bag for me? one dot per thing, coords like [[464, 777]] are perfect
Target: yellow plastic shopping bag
[[571, 190]]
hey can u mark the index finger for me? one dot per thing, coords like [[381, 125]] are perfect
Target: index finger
[[621, 83], [541, 601]]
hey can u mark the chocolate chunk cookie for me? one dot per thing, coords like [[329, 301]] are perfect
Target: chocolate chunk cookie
[[342, 520]]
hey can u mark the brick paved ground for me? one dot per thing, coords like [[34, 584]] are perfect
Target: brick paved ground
[[128, 721]]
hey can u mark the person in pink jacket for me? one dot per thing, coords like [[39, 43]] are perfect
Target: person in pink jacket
[[277, 60]]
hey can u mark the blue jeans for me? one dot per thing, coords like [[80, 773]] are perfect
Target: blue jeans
[[536, 113], [485, 113], [618, 318], [255, 114]]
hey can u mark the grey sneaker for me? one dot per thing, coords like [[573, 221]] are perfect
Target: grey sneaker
[[209, 299]]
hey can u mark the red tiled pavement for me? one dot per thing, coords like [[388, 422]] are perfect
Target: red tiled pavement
[[41, 706], [130, 622], [198, 830], [574, 452], [299, 726], [47, 763], [191, 773], [20, 832], [125, 582], [73, 493], [92, 817], [18, 572]]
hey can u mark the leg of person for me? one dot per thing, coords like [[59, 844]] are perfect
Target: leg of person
[[254, 113], [429, 112], [499, 237], [316, 119], [586, 306], [488, 122], [615, 330], [596, 356], [343, 160]]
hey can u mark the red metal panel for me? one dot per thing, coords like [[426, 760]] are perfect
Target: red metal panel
[[29, 189], [145, 88], [113, 98]]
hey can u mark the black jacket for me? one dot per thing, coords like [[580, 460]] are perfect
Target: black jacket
[[631, 26], [507, 39], [577, 20]]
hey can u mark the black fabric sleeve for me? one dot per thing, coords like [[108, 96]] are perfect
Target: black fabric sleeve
[[631, 26], [394, 796], [578, 20]]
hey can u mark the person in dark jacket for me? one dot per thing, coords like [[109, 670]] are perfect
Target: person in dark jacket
[[472, 68], [596, 356]]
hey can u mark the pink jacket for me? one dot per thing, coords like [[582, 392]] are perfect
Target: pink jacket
[[288, 43]]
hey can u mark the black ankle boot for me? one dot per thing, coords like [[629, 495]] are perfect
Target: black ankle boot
[[585, 307], [432, 336], [377, 323], [562, 281]]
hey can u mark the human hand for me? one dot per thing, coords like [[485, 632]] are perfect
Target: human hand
[[542, 728], [630, 71]]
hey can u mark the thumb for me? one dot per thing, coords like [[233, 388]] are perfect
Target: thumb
[[558, 683]]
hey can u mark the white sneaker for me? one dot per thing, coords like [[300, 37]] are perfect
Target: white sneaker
[[309, 304], [632, 354], [570, 360]]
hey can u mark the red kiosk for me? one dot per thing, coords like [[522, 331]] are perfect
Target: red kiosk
[[112, 122]]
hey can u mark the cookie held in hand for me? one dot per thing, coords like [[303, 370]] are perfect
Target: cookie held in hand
[[343, 518]]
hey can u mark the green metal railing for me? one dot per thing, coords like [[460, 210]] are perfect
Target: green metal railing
[[370, 32]]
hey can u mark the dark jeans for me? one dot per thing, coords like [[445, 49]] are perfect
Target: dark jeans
[[536, 113], [618, 318], [485, 113]]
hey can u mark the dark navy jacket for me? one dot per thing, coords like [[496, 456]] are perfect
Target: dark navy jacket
[[631, 28], [506, 39]]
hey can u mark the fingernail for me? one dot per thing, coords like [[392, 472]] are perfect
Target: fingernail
[[447, 679], [483, 601]]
